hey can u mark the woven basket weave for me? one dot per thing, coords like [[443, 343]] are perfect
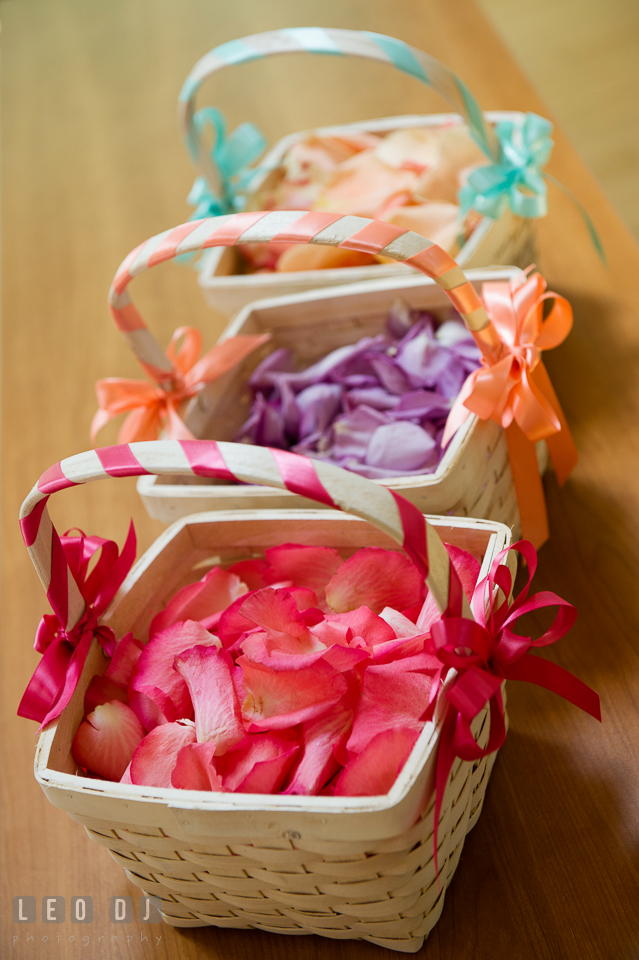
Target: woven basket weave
[[342, 867]]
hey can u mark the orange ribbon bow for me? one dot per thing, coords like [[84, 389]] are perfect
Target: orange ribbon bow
[[153, 406], [515, 391]]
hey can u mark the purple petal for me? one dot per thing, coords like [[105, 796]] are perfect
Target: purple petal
[[266, 373], [318, 405], [421, 403], [390, 373], [401, 446], [375, 397], [352, 433]]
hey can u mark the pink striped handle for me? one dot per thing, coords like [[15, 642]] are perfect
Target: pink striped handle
[[314, 479], [291, 226]]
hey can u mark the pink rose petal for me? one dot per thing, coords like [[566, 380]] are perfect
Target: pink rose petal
[[400, 625], [377, 578], [258, 764], [103, 690], [307, 566], [194, 769], [374, 771], [468, 571], [210, 595], [208, 675], [391, 697], [157, 681], [106, 740], [156, 756], [277, 699], [124, 660], [254, 573], [321, 738], [275, 611]]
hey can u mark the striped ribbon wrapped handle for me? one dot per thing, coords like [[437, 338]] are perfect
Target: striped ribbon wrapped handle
[[291, 226], [321, 482], [332, 42]]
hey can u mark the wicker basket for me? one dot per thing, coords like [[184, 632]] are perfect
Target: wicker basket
[[473, 479], [508, 240], [347, 868]]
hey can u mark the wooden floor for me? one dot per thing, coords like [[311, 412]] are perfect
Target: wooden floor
[[583, 57]]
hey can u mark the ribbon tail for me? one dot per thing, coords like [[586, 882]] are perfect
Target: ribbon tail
[[445, 758], [545, 673], [594, 236], [74, 671], [561, 446], [47, 682], [528, 486]]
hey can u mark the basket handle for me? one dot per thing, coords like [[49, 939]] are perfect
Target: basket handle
[[291, 226], [321, 482], [321, 40]]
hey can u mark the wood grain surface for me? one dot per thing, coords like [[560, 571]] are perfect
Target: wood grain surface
[[92, 166]]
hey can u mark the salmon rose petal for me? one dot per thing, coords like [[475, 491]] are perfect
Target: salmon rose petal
[[259, 764], [321, 739], [306, 566], [275, 611], [153, 761], [391, 697], [361, 622], [254, 573], [124, 660], [103, 690], [283, 697], [376, 578], [197, 601], [208, 675], [375, 770], [400, 625], [106, 740], [156, 679], [194, 768]]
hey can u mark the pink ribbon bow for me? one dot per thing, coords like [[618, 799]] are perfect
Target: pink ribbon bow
[[64, 652], [152, 407], [485, 652]]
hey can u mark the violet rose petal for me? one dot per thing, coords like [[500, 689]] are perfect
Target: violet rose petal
[[318, 405], [401, 446]]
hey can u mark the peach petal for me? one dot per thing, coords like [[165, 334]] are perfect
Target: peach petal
[[374, 771], [210, 595], [106, 740], [275, 611], [302, 257], [194, 769], [208, 675], [154, 759], [376, 578]]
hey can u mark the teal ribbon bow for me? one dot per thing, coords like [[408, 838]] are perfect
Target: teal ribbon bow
[[516, 180], [232, 156]]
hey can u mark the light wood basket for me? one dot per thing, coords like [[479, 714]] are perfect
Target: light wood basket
[[474, 477], [508, 240], [346, 868]]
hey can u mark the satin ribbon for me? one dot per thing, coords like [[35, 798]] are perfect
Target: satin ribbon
[[515, 391], [517, 180], [153, 407], [485, 652], [231, 155], [64, 652]]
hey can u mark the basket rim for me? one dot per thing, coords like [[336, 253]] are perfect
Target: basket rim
[[151, 487], [247, 804], [211, 258]]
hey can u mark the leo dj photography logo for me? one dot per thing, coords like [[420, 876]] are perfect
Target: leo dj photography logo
[[81, 910]]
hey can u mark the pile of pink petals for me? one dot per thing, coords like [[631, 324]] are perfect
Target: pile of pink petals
[[377, 407], [410, 177], [301, 673]]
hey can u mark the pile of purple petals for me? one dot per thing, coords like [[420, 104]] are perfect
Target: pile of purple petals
[[377, 407]]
